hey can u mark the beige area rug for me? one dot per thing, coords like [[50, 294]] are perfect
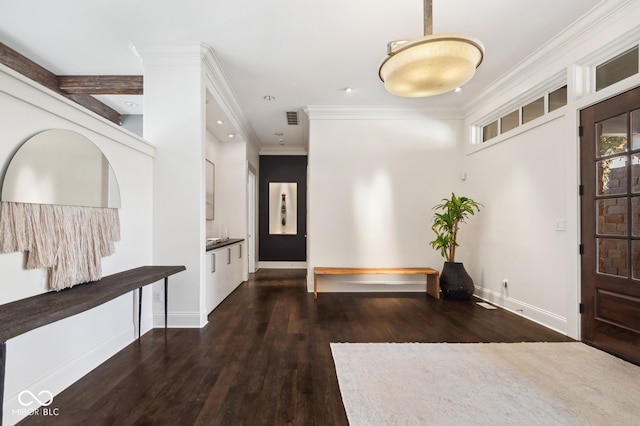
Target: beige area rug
[[485, 384]]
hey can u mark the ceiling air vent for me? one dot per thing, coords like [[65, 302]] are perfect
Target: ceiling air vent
[[292, 118]]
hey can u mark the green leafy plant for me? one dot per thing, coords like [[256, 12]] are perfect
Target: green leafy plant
[[446, 221]]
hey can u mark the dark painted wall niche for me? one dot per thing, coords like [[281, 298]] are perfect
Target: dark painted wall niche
[[276, 247]]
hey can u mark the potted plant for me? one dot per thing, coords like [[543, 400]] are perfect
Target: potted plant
[[455, 283]]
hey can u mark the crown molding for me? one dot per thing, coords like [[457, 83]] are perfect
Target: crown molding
[[216, 82], [184, 54], [321, 112], [221, 90], [549, 52], [283, 150]]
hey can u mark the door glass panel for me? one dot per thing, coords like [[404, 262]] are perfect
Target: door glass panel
[[612, 176], [635, 216], [635, 173], [635, 129], [611, 136], [612, 257], [612, 216], [635, 247]]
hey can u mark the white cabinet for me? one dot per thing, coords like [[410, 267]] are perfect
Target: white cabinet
[[224, 272]]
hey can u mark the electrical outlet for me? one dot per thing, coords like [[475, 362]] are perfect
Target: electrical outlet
[[505, 283]]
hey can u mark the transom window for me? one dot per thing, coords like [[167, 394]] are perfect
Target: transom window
[[549, 102], [617, 69]]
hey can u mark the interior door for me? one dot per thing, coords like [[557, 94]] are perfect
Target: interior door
[[610, 207], [251, 226]]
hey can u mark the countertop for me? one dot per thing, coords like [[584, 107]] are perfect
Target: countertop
[[223, 243]]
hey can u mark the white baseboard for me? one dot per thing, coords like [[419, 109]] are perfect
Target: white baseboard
[[180, 320], [530, 312], [63, 377], [283, 265]]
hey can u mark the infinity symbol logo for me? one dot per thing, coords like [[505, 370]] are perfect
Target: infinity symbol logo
[[47, 399]]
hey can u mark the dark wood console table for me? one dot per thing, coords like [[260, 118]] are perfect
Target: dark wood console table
[[24, 315]]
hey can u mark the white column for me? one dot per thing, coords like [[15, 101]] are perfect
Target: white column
[[174, 121]]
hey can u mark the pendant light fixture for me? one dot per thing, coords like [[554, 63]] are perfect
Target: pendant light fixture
[[432, 64]]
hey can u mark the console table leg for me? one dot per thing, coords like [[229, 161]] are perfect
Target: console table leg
[[139, 311], [166, 301], [3, 359]]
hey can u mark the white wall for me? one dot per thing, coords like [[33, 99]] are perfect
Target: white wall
[[528, 178], [53, 357], [230, 159], [521, 183], [372, 185], [231, 187]]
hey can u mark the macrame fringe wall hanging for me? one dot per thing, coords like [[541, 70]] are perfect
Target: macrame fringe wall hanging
[[70, 241]]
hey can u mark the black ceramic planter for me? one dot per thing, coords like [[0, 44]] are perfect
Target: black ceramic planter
[[455, 283]]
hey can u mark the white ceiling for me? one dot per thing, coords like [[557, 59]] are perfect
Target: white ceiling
[[301, 52]]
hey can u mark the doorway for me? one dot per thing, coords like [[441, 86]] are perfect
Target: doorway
[[610, 209], [251, 225]]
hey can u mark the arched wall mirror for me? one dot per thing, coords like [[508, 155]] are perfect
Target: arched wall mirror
[[60, 167]]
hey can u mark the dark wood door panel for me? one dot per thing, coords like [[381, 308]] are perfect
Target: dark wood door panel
[[621, 310], [610, 219], [615, 340]]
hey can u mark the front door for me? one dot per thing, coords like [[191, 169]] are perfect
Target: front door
[[610, 206]]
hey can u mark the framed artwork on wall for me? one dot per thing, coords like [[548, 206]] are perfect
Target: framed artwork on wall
[[210, 190], [283, 208]]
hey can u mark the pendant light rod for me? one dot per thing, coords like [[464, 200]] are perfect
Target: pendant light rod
[[428, 17]]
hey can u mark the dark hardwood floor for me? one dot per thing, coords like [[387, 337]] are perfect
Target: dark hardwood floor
[[264, 358]]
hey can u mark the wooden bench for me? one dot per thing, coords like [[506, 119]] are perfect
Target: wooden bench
[[433, 277]]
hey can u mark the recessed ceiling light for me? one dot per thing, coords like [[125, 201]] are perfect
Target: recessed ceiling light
[[220, 122], [130, 104], [269, 98], [231, 135], [348, 89], [458, 89]]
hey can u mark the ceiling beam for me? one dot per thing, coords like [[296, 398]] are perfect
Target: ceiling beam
[[101, 84], [28, 68], [40, 75]]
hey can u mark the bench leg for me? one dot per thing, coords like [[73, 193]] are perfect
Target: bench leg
[[315, 286], [433, 285]]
